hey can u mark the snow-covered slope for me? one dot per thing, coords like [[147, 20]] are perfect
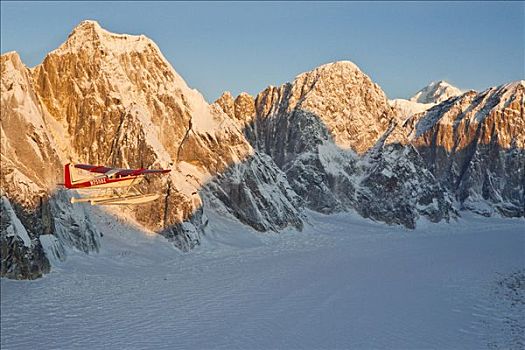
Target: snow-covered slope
[[408, 108], [344, 282]]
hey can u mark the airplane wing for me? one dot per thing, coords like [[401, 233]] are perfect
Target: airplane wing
[[120, 172], [94, 168], [135, 172]]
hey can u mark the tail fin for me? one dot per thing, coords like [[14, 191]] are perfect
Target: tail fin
[[67, 176]]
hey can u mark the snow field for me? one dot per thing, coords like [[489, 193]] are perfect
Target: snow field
[[344, 282]]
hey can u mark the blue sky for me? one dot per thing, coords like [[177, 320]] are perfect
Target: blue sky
[[236, 46]]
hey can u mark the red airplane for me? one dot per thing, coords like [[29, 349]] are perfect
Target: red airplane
[[97, 177]]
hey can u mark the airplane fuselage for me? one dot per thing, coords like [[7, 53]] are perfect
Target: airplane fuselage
[[106, 182], [73, 180]]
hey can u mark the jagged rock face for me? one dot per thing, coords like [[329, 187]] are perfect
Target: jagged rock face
[[244, 107], [121, 84], [73, 228], [294, 141], [122, 105], [21, 256], [398, 189], [325, 178], [241, 108], [26, 143], [258, 194], [40, 212], [227, 104], [475, 145], [149, 116]]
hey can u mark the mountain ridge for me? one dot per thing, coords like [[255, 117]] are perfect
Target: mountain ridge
[[328, 141]]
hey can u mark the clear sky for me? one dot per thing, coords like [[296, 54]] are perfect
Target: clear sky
[[218, 46]]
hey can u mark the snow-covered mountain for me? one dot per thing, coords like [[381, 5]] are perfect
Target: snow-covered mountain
[[333, 134], [151, 118], [105, 98], [31, 163], [475, 145], [427, 97], [328, 141], [436, 92]]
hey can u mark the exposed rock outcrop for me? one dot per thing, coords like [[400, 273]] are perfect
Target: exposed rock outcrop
[[352, 108], [258, 194], [21, 256]]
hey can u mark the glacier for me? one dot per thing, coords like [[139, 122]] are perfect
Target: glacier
[[343, 282]]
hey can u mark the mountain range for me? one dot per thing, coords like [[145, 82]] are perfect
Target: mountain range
[[328, 141]]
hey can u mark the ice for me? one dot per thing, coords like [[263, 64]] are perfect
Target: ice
[[15, 227], [53, 248], [344, 282]]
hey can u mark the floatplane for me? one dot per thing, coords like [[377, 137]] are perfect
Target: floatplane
[[116, 186]]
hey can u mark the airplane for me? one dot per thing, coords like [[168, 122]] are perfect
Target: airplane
[[115, 182]]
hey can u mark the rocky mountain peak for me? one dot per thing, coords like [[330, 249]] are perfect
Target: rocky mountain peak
[[426, 98], [113, 99], [242, 108], [343, 68], [90, 35], [336, 138], [87, 25], [12, 56], [92, 52], [12, 68], [353, 108], [338, 74], [226, 102], [499, 104], [436, 92]]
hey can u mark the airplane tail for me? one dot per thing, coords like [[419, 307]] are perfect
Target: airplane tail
[[67, 176]]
